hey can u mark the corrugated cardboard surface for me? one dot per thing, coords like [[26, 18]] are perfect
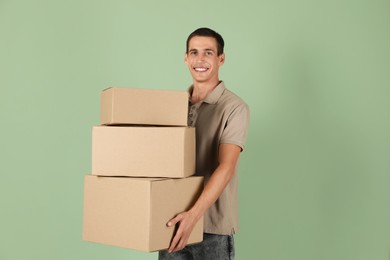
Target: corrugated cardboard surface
[[143, 151], [143, 107], [170, 194], [133, 212]]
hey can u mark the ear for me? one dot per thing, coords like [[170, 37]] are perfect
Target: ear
[[221, 59], [185, 59]]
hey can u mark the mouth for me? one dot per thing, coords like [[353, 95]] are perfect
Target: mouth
[[201, 69]]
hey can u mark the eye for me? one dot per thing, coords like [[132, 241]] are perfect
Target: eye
[[193, 53], [209, 53]]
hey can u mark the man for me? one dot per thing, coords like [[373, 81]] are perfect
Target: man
[[221, 119]]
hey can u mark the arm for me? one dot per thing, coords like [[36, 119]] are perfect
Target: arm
[[228, 158]]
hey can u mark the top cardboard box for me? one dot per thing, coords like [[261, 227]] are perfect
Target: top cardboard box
[[137, 106]]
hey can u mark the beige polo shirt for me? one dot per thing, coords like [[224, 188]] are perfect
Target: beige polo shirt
[[221, 118]]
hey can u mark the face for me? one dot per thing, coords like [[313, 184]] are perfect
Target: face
[[202, 59]]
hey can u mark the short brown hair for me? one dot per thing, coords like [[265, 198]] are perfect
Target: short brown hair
[[207, 32]]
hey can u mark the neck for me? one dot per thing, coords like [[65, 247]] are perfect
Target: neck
[[202, 89]]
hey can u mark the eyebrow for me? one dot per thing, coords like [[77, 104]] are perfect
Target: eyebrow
[[208, 49]]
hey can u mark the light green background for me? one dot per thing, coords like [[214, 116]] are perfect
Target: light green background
[[314, 178]]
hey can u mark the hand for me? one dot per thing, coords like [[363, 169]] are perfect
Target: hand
[[186, 224]]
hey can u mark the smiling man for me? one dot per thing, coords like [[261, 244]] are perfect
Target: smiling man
[[221, 120]]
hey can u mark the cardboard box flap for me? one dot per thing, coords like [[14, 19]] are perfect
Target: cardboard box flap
[[143, 179]]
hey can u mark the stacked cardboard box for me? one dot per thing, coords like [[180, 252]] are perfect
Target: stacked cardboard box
[[143, 159]]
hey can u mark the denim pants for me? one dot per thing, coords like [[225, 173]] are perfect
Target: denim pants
[[213, 247]]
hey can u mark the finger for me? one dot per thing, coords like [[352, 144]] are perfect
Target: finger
[[174, 243], [179, 245], [182, 242]]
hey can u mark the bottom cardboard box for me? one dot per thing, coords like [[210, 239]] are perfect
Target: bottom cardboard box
[[133, 212]]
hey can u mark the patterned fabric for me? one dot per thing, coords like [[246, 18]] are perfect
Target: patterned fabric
[[213, 247]]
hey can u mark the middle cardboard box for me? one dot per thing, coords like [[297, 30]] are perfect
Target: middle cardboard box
[[143, 151]]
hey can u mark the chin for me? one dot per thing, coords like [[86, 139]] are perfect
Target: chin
[[200, 80]]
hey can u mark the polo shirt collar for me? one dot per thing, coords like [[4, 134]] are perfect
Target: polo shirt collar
[[213, 96]]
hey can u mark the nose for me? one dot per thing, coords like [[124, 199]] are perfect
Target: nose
[[201, 56]]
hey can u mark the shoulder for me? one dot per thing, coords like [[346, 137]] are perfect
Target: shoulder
[[232, 101]]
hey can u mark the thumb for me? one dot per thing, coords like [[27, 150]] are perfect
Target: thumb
[[174, 221]]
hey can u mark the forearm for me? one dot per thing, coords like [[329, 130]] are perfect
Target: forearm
[[219, 179], [228, 157], [213, 189]]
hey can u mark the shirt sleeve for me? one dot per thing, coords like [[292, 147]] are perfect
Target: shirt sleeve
[[236, 127]]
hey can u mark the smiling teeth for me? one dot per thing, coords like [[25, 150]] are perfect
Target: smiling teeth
[[200, 69]]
